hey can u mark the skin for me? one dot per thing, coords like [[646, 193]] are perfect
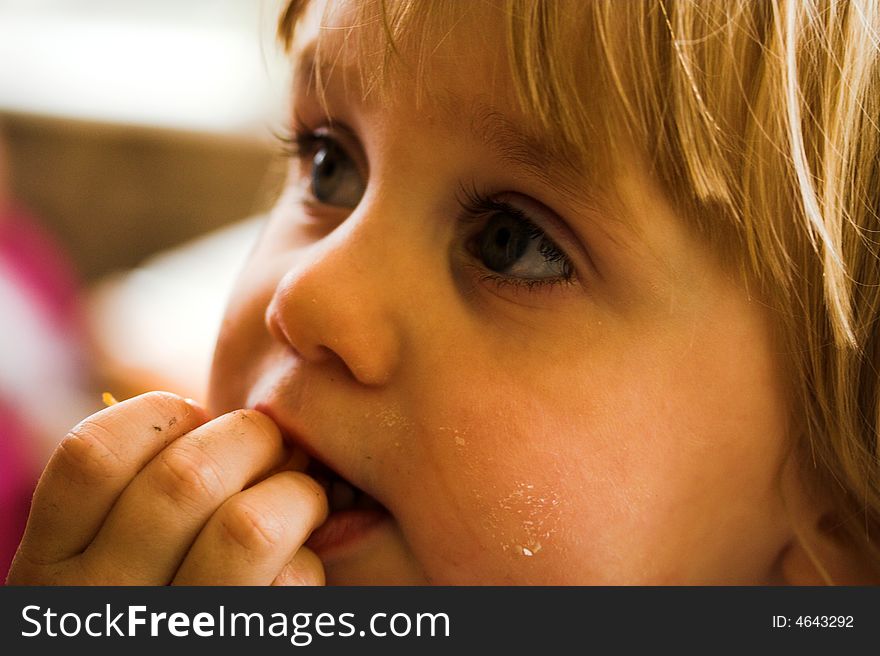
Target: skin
[[629, 427]]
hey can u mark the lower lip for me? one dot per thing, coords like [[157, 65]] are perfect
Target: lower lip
[[343, 530]]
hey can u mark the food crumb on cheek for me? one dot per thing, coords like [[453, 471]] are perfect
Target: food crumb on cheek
[[456, 434], [108, 399], [536, 515]]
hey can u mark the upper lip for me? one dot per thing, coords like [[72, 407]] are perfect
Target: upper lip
[[295, 439], [288, 434]]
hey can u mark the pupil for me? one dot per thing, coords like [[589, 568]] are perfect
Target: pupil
[[323, 170], [502, 237], [325, 174], [324, 165], [503, 242]]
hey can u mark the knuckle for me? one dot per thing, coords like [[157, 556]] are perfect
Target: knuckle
[[187, 476], [91, 569], [256, 531], [85, 452]]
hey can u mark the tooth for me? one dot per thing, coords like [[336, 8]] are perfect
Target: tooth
[[341, 496]]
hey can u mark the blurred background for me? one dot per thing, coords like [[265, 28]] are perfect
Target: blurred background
[[136, 163]]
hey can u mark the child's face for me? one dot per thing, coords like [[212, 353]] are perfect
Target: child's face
[[585, 398]]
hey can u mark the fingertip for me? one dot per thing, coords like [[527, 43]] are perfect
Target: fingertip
[[174, 405], [197, 410], [261, 421], [317, 490]]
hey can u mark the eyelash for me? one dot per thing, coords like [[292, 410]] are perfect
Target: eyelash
[[302, 142]]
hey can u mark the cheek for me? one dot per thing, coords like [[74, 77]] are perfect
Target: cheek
[[637, 466], [498, 487]]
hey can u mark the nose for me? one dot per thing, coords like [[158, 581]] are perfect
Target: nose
[[334, 302]]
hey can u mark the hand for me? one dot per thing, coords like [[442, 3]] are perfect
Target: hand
[[148, 492]]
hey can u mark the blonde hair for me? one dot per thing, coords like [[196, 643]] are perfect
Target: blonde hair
[[760, 119]]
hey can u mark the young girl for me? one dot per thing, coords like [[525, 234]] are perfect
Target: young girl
[[557, 293]]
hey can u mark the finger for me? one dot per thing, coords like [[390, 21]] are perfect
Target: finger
[[92, 466], [305, 569], [256, 533], [152, 526]]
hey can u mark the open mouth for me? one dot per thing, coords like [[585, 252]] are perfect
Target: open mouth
[[353, 515], [341, 494]]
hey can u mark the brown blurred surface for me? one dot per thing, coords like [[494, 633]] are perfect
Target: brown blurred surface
[[114, 195]]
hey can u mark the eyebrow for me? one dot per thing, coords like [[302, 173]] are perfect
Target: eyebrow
[[554, 165]]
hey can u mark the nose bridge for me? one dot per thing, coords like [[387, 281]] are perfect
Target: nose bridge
[[336, 301]]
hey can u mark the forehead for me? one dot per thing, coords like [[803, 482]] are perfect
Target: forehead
[[467, 61], [382, 55]]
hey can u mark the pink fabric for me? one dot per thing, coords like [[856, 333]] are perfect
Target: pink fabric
[[18, 476], [34, 264], [39, 266]]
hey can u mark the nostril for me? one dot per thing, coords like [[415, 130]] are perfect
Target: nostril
[[280, 330], [274, 324]]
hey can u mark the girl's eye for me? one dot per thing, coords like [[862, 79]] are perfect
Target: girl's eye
[[332, 175], [335, 179], [511, 245], [515, 247]]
